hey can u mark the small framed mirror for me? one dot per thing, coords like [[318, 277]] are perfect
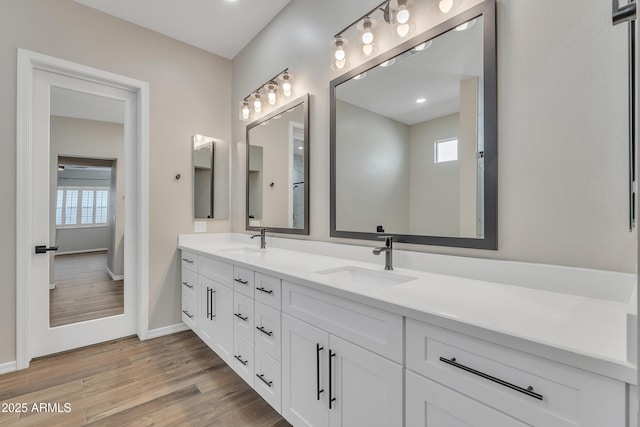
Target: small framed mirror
[[278, 170], [414, 139], [210, 178]]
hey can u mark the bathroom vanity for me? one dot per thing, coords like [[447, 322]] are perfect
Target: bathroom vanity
[[329, 338]]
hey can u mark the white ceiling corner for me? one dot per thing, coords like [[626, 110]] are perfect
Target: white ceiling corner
[[222, 27]]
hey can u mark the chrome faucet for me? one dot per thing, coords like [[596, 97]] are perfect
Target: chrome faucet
[[388, 251], [263, 238]]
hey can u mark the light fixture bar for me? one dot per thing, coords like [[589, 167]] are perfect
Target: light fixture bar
[[380, 6], [274, 78]]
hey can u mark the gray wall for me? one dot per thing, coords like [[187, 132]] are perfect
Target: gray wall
[[189, 92], [562, 141]]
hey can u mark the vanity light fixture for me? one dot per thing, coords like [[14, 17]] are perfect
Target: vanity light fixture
[[281, 83], [339, 59], [445, 6], [404, 23]]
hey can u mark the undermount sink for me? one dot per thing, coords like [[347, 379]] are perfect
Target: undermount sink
[[364, 276], [243, 251]]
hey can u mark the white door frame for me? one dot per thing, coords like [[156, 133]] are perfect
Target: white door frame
[[28, 62]]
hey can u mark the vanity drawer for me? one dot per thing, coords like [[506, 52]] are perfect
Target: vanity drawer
[[267, 332], [268, 379], [243, 280], [268, 290], [189, 308], [369, 327], [535, 390], [218, 271], [243, 323], [243, 358], [189, 261], [189, 282]]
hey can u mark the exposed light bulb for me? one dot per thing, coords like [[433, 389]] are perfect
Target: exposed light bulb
[[445, 6], [367, 34], [271, 94], [257, 103], [286, 85], [403, 29], [403, 15], [339, 54], [340, 64], [367, 49]]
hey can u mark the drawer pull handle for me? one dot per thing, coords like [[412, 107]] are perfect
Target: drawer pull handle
[[261, 377], [239, 316], [190, 316], [261, 289], [244, 282], [528, 391], [187, 285], [190, 261], [239, 359], [261, 329]]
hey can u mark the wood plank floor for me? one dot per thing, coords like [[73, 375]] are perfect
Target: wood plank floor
[[169, 381], [84, 290]]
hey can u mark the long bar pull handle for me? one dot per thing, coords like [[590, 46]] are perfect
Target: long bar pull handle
[[208, 302], [261, 289], [244, 282], [261, 378], [211, 303], [239, 359], [319, 348], [187, 285], [241, 317], [528, 391], [190, 316], [331, 398], [261, 329]]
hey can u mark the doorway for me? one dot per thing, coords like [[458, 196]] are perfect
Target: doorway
[[38, 77]]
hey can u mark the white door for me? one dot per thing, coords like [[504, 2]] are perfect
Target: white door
[[367, 388], [223, 336], [45, 339], [305, 389], [429, 404]]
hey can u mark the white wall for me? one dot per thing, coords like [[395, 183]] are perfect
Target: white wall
[[189, 93], [561, 124]]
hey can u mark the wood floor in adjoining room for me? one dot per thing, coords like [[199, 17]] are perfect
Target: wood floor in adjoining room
[[174, 380], [84, 290]]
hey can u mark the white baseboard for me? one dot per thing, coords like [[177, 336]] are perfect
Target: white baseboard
[[84, 251], [167, 330], [113, 276], [52, 286], [5, 368]]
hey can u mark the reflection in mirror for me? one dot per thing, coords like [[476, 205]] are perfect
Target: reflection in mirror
[[209, 177], [412, 137], [277, 170]]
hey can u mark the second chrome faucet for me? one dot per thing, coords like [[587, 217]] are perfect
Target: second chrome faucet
[[388, 251], [263, 238]]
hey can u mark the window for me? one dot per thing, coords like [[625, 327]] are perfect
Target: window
[[446, 150], [81, 206]]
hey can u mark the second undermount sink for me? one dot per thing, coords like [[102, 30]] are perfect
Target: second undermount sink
[[364, 276], [242, 251]]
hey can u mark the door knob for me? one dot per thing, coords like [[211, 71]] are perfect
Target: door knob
[[41, 249]]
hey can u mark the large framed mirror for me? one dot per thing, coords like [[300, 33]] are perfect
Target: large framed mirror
[[210, 178], [414, 139], [278, 170]]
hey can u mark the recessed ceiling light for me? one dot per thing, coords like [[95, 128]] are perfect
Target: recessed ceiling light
[[421, 100]]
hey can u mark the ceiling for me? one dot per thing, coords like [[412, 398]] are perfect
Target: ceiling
[[222, 27], [80, 105]]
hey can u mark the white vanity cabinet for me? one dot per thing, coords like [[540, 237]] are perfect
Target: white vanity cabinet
[[189, 285], [453, 379], [329, 380]]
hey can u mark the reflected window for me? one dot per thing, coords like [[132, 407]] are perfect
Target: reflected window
[[446, 150]]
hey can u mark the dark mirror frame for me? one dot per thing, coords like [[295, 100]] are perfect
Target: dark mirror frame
[[304, 101], [487, 10]]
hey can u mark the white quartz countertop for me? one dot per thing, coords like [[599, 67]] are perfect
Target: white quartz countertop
[[584, 332]]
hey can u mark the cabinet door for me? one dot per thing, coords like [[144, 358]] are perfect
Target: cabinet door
[[206, 314], [430, 404], [223, 343], [304, 372], [367, 388]]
